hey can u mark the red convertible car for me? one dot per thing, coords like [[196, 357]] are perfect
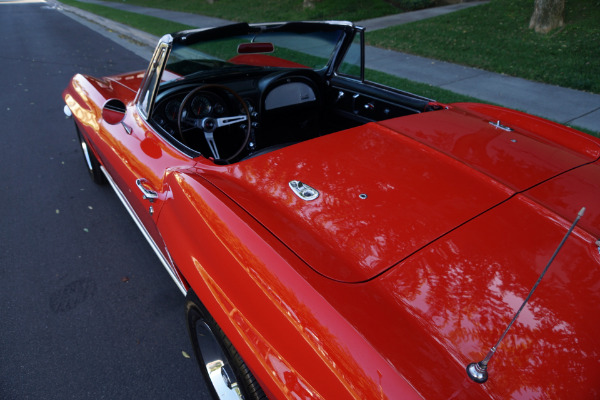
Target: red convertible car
[[337, 238]]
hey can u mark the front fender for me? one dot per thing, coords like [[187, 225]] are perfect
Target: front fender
[[85, 96]]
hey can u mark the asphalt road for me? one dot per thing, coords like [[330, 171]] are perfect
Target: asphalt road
[[86, 309]]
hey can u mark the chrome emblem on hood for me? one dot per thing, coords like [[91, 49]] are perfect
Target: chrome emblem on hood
[[303, 191]]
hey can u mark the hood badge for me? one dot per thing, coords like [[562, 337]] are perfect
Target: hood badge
[[303, 191], [499, 125]]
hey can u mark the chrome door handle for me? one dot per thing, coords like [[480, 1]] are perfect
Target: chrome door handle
[[148, 194]]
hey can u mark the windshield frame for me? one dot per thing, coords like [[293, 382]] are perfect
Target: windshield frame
[[313, 45], [156, 73]]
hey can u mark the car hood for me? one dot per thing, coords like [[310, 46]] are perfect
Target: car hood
[[386, 190]]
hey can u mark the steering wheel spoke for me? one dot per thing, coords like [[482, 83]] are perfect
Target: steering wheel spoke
[[231, 120], [210, 138], [188, 124], [191, 122]]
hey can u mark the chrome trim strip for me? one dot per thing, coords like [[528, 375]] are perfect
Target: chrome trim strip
[[86, 154], [168, 264]]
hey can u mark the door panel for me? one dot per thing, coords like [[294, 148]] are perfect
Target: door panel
[[137, 158], [366, 102]]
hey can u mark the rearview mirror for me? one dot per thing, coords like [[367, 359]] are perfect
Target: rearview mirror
[[253, 48]]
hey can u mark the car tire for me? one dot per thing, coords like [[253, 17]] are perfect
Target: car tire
[[226, 374], [91, 162]]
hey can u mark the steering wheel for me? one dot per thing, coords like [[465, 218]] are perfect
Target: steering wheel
[[208, 124]]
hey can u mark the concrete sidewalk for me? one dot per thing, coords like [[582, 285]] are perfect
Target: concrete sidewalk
[[567, 106]]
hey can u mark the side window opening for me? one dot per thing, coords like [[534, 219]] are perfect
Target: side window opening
[[353, 63]]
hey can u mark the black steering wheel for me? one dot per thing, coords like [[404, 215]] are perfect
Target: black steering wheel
[[208, 124]]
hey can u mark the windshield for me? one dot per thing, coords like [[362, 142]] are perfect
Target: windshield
[[262, 49]]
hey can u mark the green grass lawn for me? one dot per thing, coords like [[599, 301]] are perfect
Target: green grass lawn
[[152, 25], [287, 10], [496, 37], [159, 27], [493, 37]]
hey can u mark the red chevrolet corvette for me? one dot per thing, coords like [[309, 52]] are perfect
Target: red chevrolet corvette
[[337, 238]]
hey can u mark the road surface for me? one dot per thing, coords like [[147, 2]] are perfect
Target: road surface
[[86, 309]]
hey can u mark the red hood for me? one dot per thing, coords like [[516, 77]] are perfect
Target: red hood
[[423, 175], [131, 80]]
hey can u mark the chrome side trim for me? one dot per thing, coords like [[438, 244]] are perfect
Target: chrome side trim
[[167, 263], [86, 154]]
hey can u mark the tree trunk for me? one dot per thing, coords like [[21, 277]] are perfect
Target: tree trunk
[[547, 15]]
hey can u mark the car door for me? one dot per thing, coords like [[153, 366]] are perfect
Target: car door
[[136, 159]]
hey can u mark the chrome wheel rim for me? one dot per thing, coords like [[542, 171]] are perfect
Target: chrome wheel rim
[[217, 365]]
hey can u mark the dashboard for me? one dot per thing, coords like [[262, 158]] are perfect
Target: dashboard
[[281, 107], [272, 101], [289, 94]]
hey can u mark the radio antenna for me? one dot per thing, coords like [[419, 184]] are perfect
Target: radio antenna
[[477, 371]]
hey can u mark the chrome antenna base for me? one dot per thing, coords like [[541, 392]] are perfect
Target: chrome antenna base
[[478, 372]]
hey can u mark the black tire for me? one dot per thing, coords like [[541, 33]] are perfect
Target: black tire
[[91, 162], [230, 378]]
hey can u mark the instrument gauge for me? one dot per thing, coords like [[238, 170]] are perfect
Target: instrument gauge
[[201, 106], [172, 109], [248, 105], [219, 109]]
